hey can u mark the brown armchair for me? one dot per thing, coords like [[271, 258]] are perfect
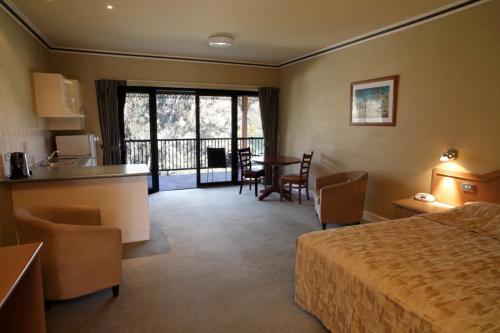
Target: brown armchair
[[340, 198], [79, 256]]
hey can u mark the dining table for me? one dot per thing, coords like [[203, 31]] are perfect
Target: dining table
[[275, 163]]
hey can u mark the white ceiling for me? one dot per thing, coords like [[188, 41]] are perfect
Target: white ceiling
[[265, 31]]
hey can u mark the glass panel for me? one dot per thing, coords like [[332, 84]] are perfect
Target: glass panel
[[249, 121], [215, 132], [137, 130], [250, 126], [176, 122]]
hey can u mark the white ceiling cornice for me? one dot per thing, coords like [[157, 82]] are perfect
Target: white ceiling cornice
[[25, 22], [390, 29]]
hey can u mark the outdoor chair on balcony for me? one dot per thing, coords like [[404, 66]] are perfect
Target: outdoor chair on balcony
[[247, 173], [216, 158]]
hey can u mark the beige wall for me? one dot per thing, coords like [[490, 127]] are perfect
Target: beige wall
[[88, 68], [448, 97], [20, 55]]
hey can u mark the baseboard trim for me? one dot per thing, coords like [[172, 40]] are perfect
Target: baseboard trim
[[371, 217]]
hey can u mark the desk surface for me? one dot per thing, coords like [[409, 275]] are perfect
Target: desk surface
[[14, 261]]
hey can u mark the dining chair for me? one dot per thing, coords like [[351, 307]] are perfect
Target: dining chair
[[247, 173], [301, 179], [216, 158]]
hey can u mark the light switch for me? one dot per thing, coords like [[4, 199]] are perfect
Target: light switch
[[467, 187]]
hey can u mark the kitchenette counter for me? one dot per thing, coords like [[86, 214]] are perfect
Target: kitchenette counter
[[43, 174], [119, 191]]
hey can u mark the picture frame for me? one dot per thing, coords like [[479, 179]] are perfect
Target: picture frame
[[374, 102]]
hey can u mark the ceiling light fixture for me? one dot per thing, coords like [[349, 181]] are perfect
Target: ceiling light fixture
[[220, 42], [110, 7]]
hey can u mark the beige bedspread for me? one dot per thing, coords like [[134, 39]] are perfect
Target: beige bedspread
[[432, 273]]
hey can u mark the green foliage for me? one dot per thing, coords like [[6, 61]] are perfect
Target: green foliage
[[176, 119]]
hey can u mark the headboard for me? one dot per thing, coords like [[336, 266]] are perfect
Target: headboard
[[456, 188]]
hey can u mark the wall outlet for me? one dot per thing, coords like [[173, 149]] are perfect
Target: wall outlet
[[467, 187]]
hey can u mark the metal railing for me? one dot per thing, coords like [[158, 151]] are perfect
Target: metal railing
[[180, 154]]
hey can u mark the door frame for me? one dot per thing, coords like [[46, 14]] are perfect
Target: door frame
[[153, 130], [197, 92]]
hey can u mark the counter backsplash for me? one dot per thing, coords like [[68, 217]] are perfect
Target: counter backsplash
[[34, 141]]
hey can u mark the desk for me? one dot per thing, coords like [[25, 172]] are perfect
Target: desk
[[409, 207], [275, 163], [21, 291]]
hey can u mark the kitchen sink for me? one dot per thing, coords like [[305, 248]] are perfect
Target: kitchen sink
[[59, 162]]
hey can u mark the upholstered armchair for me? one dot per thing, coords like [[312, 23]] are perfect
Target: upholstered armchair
[[78, 256], [340, 198]]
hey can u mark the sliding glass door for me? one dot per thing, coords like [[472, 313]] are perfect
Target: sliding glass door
[[216, 139], [176, 132], [189, 138], [137, 140]]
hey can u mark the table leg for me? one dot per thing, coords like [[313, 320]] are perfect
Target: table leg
[[274, 186]]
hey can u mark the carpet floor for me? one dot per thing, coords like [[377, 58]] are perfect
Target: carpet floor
[[217, 262]]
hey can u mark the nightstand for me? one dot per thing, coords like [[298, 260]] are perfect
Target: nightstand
[[409, 207]]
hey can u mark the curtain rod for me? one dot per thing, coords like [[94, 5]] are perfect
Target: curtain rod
[[193, 85]]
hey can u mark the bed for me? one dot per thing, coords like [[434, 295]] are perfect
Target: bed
[[429, 273]]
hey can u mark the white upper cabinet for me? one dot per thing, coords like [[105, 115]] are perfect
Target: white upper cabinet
[[56, 96]]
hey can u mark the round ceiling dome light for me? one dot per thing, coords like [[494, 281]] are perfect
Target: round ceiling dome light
[[220, 42]]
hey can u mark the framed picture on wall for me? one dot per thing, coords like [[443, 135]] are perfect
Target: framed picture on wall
[[374, 102]]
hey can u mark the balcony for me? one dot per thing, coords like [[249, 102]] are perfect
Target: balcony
[[177, 159]]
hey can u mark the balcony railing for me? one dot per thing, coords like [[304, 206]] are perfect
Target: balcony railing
[[180, 154]]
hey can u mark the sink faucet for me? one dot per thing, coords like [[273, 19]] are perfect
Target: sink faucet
[[54, 153]]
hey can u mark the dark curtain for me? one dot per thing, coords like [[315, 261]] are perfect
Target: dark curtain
[[269, 106], [109, 119]]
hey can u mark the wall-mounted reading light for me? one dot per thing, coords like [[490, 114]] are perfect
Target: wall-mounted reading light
[[449, 155]]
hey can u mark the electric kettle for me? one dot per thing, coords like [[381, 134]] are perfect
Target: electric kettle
[[19, 165]]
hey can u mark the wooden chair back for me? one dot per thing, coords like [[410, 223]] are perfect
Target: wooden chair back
[[305, 165], [245, 159]]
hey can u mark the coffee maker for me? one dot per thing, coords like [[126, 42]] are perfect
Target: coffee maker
[[16, 165]]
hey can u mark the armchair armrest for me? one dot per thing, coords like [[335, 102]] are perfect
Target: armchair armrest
[[330, 180]]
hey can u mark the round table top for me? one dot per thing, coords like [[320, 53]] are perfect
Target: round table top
[[276, 161]]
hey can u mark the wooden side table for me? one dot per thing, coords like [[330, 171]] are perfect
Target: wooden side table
[[410, 207]]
